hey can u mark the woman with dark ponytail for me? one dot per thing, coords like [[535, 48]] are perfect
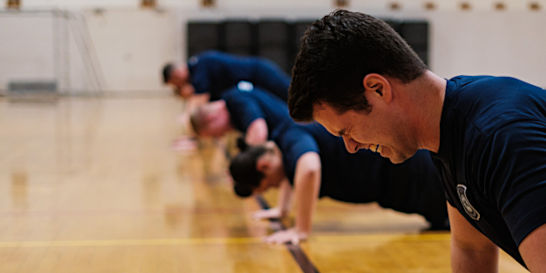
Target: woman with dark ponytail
[[243, 167], [310, 162]]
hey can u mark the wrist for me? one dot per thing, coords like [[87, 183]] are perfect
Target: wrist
[[283, 212], [301, 232]]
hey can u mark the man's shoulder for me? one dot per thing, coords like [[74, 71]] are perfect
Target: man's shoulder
[[206, 57], [490, 87], [294, 141], [254, 94], [490, 103], [481, 79]]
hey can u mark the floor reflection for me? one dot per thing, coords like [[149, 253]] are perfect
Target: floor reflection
[[19, 189]]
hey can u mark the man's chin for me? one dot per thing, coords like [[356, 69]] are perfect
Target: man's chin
[[396, 161], [397, 158]]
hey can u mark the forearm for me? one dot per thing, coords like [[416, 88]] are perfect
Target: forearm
[[285, 197], [306, 188], [304, 216], [307, 185]]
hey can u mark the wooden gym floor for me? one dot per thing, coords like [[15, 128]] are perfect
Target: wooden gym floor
[[93, 185]]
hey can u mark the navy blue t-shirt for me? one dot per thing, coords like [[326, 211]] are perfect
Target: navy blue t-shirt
[[214, 72], [247, 105], [411, 187], [492, 156]]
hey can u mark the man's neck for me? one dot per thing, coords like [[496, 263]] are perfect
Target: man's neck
[[429, 100]]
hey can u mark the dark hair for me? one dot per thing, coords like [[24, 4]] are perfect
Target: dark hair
[[167, 71], [242, 168], [337, 52]]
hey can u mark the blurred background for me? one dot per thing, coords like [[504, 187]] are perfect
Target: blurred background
[[118, 46]]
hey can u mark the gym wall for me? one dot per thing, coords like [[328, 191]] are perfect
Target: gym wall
[[118, 47]]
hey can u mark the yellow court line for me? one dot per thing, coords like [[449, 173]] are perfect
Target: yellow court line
[[382, 237], [149, 242], [242, 240]]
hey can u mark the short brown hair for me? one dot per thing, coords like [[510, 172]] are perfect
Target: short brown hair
[[337, 52]]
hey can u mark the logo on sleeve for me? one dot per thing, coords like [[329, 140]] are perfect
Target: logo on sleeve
[[470, 210], [245, 86]]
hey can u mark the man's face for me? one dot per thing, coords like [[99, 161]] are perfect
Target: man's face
[[273, 173], [217, 125], [180, 81], [378, 130], [270, 180]]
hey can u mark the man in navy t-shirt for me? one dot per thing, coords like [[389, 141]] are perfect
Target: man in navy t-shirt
[[493, 156], [214, 72], [361, 80], [256, 113], [307, 159]]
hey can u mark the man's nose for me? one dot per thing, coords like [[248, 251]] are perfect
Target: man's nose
[[350, 144]]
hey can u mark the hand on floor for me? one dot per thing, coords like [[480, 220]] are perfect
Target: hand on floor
[[185, 144], [286, 236], [272, 213]]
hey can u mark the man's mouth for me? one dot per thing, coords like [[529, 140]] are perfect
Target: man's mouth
[[376, 148]]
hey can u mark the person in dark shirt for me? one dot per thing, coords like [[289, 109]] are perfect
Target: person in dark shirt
[[493, 151], [212, 72], [309, 161], [206, 76], [256, 113], [359, 79]]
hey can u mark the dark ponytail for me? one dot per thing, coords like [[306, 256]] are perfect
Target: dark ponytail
[[242, 168], [241, 144]]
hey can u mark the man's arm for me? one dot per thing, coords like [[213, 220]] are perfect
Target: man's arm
[[306, 189], [471, 251], [195, 101], [247, 116], [533, 250], [307, 186], [256, 133], [285, 197]]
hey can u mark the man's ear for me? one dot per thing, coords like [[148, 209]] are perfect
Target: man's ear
[[262, 164], [375, 84]]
